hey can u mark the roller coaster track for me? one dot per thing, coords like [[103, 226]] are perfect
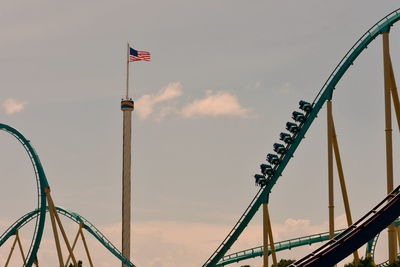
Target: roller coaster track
[[40, 213], [375, 220], [356, 235], [41, 184], [325, 94], [371, 245], [75, 217], [293, 243], [279, 246]]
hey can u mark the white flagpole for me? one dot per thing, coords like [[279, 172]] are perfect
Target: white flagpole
[[127, 72]]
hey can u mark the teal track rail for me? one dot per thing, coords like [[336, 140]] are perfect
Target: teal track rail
[[323, 95], [75, 217], [279, 246], [41, 183], [371, 245], [292, 243]]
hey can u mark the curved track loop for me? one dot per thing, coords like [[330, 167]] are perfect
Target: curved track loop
[[75, 217], [279, 246], [41, 183], [356, 235], [324, 94], [371, 245]]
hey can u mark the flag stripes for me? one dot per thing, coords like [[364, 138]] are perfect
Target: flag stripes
[[135, 55]]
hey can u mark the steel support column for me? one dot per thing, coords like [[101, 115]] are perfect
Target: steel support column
[[55, 232], [388, 134], [11, 251], [342, 181], [265, 235], [86, 248], [331, 204], [74, 243], [56, 220], [395, 94], [268, 229], [20, 247], [398, 236]]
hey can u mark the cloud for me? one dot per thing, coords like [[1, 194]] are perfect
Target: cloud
[[12, 106], [178, 244], [215, 104], [163, 112], [158, 106], [189, 244], [171, 91], [302, 227], [147, 104]]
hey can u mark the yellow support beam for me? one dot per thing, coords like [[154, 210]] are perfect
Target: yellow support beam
[[20, 247], [64, 235], [331, 203], [394, 93], [342, 181], [17, 240], [86, 247], [74, 244], [267, 224], [11, 251], [265, 236], [80, 233], [54, 226], [388, 133], [398, 236]]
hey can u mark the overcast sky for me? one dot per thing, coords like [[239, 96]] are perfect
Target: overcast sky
[[224, 78]]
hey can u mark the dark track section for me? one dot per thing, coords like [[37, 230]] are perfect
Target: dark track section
[[385, 213]]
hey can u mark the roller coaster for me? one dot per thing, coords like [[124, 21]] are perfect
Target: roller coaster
[[76, 218], [46, 204], [297, 130], [341, 242]]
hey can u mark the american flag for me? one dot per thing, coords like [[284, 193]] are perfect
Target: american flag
[[135, 55]]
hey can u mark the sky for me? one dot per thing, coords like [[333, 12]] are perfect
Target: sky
[[224, 78]]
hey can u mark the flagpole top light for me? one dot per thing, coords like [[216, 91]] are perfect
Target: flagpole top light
[[127, 104]]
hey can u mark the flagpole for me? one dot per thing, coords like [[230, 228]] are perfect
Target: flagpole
[[127, 72]]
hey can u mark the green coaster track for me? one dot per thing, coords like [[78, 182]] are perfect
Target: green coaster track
[[371, 245], [75, 217], [40, 213], [41, 183], [262, 196], [293, 243], [279, 246], [325, 94]]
